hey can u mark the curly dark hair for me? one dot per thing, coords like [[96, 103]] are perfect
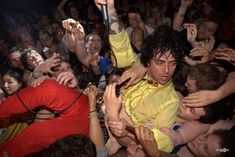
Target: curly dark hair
[[163, 40]]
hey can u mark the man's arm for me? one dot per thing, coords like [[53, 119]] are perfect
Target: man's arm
[[179, 16], [74, 40], [123, 55]]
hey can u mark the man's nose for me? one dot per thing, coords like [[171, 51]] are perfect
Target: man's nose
[[166, 69]]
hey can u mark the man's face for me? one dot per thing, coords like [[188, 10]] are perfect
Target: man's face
[[46, 40], [190, 113], [14, 59], [190, 84], [34, 59], [94, 44], [137, 39], [27, 42], [132, 19], [206, 30], [161, 68], [205, 146]]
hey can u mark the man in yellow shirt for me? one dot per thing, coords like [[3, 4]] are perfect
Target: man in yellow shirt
[[154, 97]]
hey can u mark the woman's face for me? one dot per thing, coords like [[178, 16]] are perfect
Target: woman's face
[[9, 84], [34, 59]]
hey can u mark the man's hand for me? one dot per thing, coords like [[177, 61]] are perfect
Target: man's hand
[[226, 54], [110, 3], [74, 27], [51, 62], [118, 128], [135, 74], [38, 81], [112, 103], [201, 98], [91, 92], [147, 140], [191, 33], [67, 78]]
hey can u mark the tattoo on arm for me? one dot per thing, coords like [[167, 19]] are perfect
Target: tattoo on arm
[[114, 26]]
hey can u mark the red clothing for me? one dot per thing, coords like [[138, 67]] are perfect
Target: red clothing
[[40, 135]]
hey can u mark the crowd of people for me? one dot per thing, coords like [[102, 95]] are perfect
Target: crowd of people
[[157, 79]]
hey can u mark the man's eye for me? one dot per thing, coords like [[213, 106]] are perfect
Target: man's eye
[[159, 62]]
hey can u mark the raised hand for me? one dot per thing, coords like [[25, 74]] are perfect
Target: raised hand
[[191, 33], [67, 78], [110, 3], [74, 27], [51, 62], [91, 92]]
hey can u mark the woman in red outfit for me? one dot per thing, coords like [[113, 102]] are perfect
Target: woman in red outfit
[[40, 135]]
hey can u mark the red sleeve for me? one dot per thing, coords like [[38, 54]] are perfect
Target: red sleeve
[[49, 94]]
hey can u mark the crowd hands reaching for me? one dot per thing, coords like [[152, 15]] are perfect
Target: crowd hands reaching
[[80, 55]]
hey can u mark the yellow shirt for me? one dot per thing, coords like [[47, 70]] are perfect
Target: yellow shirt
[[147, 100]]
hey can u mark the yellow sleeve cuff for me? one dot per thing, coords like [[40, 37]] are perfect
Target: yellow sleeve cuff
[[164, 142]]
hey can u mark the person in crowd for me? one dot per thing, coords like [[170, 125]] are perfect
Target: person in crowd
[[70, 106], [50, 47], [31, 60], [12, 83], [161, 52], [13, 57], [87, 49], [159, 18], [216, 144], [136, 21], [26, 41]]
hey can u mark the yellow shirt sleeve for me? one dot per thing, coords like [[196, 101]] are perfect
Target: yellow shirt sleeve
[[123, 55], [166, 119]]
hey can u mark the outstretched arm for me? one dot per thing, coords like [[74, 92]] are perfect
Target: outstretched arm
[[206, 97], [123, 55], [74, 40], [114, 26], [179, 16], [95, 128]]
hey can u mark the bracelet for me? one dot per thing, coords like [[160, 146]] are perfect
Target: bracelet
[[37, 74], [92, 111]]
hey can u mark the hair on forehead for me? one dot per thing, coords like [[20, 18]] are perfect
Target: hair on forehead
[[163, 41]]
